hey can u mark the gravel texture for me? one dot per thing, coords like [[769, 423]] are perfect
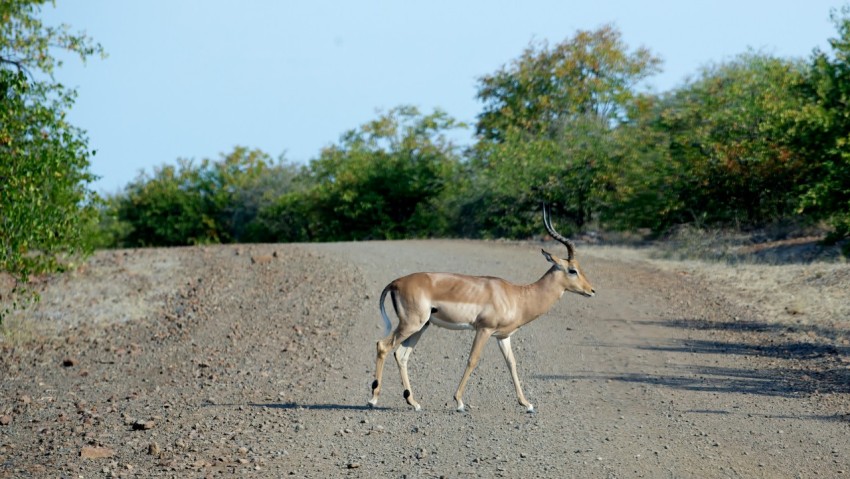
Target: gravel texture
[[257, 360]]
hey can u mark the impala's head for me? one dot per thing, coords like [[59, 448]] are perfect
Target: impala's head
[[567, 269]]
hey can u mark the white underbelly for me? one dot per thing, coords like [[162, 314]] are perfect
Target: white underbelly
[[450, 325]]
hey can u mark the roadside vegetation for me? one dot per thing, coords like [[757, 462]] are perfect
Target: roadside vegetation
[[754, 143], [48, 214], [757, 142]]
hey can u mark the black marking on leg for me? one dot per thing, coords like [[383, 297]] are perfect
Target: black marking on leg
[[375, 385], [406, 393], [433, 310]]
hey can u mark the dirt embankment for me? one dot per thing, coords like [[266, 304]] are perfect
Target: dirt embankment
[[238, 360]]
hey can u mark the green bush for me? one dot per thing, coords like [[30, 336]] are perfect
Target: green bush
[[824, 134], [208, 202], [382, 181], [46, 209], [549, 132]]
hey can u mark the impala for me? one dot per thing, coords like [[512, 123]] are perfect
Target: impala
[[489, 306]]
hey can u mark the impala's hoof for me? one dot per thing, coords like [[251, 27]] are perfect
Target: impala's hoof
[[530, 409], [372, 403], [461, 408], [417, 408]]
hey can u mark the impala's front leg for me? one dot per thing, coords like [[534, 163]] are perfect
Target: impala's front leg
[[507, 352], [481, 337]]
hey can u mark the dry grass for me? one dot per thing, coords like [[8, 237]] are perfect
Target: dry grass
[[792, 281]]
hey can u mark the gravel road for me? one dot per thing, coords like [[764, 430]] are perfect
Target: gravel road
[[257, 360]]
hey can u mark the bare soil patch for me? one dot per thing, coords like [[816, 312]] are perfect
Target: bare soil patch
[[256, 360]]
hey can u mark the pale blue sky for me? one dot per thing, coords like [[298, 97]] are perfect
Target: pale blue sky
[[193, 79]]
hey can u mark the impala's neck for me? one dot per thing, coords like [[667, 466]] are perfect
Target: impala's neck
[[541, 295]]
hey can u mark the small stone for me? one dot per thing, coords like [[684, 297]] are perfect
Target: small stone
[[353, 465], [69, 362], [142, 425], [262, 259], [5, 420], [154, 449], [90, 452]]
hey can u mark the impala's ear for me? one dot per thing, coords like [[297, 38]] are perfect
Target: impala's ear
[[548, 256]]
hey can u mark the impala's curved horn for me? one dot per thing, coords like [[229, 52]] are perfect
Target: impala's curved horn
[[547, 221]]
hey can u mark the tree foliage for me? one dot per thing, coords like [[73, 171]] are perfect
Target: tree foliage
[[205, 202], [26, 42], [729, 144], [380, 181], [46, 209], [747, 142], [591, 74], [548, 131], [824, 135]]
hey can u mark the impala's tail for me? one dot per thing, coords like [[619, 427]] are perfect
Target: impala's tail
[[388, 325]]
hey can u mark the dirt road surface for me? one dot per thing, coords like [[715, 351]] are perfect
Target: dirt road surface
[[257, 360]]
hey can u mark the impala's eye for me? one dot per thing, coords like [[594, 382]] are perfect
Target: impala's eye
[[572, 271]]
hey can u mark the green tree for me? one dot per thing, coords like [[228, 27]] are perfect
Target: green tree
[[824, 133], [166, 208], [46, 209], [26, 42], [642, 183], [547, 132], [381, 181], [591, 74], [731, 156], [205, 202], [248, 181]]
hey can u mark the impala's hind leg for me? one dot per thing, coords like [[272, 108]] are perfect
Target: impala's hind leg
[[402, 355], [384, 347]]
